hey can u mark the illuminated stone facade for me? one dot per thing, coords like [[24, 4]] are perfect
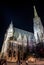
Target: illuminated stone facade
[[16, 40], [38, 27]]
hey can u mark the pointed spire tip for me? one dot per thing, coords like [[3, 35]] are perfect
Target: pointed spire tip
[[35, 12]]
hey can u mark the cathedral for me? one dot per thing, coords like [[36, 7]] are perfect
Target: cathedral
[[17, 40]]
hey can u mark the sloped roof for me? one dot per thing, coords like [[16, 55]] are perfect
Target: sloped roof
[[22, 32]]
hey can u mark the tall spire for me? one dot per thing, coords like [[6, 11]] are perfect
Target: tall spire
[[35, 12], [10, 30], [11, 24]]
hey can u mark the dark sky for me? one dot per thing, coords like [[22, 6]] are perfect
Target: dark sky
[[21, 15]]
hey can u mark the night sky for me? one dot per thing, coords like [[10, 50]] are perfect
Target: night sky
[[20, 14]]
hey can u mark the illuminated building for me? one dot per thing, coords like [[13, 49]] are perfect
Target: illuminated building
[[16, 40], [37, 26]]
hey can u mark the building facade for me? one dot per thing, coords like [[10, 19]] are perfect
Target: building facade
[[16, 40]]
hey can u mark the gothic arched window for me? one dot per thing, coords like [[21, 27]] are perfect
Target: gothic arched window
[[10, 53]]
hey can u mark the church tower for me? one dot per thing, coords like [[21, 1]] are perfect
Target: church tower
[[9, 33], [10, 46], [38, 27]]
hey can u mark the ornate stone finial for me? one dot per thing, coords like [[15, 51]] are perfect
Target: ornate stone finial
[[19, 37], [35, 12]]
